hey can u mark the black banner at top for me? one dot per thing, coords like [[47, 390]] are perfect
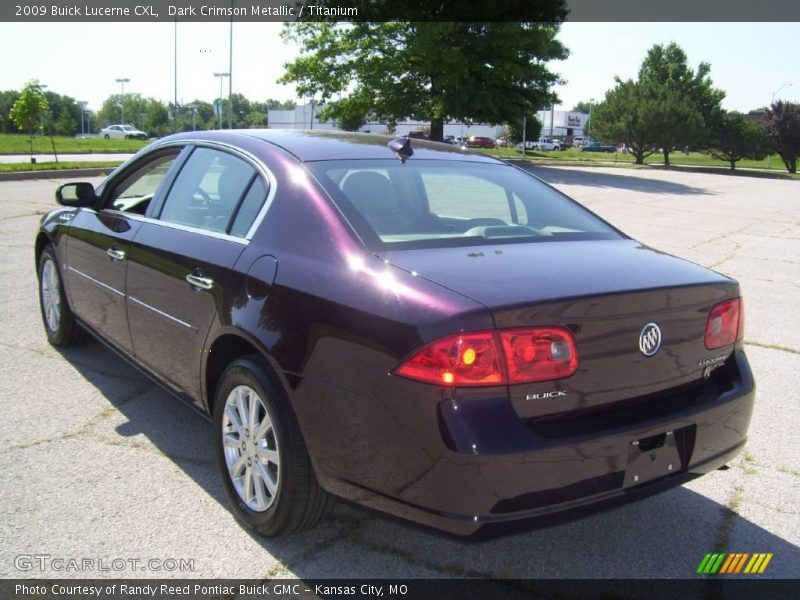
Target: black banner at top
[[398, 10]]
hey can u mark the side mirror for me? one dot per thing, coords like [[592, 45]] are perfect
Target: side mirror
[[76, 194]]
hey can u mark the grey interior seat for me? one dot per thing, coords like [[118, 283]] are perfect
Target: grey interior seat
[[375, 198]]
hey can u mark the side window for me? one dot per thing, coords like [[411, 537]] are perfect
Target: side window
[[208, 190], [249, 209], [461, 196], [134, 193]]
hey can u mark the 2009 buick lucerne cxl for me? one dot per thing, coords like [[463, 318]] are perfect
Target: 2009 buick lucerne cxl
[[429, 332]]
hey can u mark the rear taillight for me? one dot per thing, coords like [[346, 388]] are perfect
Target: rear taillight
[[467, 359], [494, 358], [539, 354], [725, 324]]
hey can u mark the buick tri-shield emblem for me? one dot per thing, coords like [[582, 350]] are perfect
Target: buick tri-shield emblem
[[650, 339]]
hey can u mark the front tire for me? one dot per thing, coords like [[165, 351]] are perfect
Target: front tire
[[59, 323], [266, 471]]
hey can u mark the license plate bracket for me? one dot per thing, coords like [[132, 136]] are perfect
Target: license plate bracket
[[652, 457]]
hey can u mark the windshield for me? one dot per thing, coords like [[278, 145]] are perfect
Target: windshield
[[429, 203]]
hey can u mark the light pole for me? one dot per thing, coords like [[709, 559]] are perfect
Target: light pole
[[591, 106], [122, 81], [775, 93], [82, 104], [221, 78]]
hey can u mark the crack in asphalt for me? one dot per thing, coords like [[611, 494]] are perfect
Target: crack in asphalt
[[772, 346], [88, 426], [33, 214], [73, 361]]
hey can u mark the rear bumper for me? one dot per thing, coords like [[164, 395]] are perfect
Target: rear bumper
[[484, 467]]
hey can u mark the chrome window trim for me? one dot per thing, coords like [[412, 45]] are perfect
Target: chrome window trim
[[100, 283], [179, 227], [163, 314], [253, 160]]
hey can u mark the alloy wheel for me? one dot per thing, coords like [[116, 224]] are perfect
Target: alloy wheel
[[51, 295], [251, 448]]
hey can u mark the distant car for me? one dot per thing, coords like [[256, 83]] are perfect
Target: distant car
[[418, 135], [449, 139], [501, 142], [547, 144], [579, 141], [123, 132], [477, 141], [598, 147]]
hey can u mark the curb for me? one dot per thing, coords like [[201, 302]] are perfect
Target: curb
[[55, 174]]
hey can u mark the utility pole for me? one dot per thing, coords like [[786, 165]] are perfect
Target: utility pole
[[230, 72]]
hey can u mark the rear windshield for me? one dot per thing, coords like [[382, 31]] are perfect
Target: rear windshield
[[429, 203]]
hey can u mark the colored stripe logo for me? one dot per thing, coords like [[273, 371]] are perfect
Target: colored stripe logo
[[735, 562]]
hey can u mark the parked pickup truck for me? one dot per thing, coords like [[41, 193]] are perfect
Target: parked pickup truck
[[546, 144], [598, 147]]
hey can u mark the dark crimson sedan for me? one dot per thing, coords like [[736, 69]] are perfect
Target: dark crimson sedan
[[429, 332]]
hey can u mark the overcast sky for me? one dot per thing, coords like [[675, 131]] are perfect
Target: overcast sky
[[749, 61]]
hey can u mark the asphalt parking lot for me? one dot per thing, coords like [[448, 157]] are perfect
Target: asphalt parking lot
[[96, 461]]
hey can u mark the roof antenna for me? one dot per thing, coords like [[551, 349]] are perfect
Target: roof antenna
[[402, 148]]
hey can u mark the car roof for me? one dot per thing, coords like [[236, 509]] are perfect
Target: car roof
[[312, 145]]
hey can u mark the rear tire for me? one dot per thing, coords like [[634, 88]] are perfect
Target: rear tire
[[106, 136], [59, 323], [266, 471]]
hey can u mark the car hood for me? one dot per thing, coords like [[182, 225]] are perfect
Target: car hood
[[511, 274]]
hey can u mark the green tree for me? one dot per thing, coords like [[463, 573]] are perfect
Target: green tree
[[668, 106], [30, 107], [433, 71], [628, 114], [735, 138], [257, 119], [533, 130], [690, 105], [783, 122], [7, 100], [583, 107], [65, 124]]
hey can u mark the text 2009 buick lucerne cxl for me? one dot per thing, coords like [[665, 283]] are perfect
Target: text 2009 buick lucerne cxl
[[428, 332]]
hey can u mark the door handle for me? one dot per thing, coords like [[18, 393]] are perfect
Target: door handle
[[116, 254], [199, 281]]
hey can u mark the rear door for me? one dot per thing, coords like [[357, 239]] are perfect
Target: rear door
[[181, 263], [99, 243]]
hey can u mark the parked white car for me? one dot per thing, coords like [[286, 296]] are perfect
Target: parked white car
[[122, 132], [546, 144]]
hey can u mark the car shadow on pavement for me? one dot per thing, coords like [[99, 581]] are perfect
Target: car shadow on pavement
[[662, 536], [593, 178]]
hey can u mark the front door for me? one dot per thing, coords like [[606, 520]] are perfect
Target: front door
[[99, 244]]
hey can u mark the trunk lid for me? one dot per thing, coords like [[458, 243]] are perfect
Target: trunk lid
[[605, 292]]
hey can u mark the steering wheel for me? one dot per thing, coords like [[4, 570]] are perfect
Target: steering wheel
[[200, 198]]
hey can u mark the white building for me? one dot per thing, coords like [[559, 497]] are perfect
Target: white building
[[561, 123], [304, 117]]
